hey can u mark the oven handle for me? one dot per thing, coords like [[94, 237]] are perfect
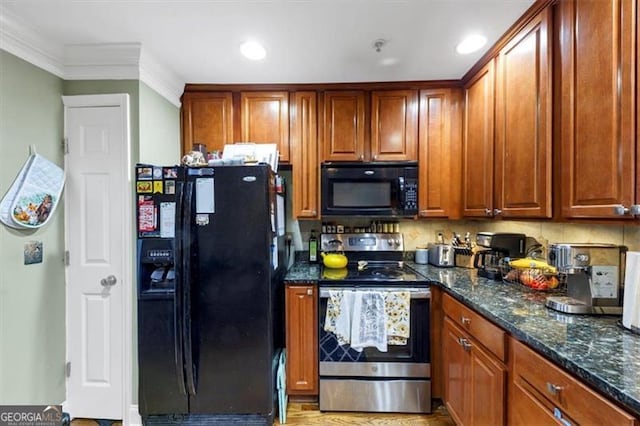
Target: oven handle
[[416, 293]]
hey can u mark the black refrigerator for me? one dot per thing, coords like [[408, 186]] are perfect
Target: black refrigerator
[[210, 293]]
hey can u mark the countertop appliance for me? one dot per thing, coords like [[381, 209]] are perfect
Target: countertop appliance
[[595, 277], [210, 295], [370, 379], [442, 255], [498, 245], [387, 189]]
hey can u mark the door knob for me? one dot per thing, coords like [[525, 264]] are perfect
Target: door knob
[[109, 281]]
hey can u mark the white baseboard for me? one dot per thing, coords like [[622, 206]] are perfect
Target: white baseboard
[[134, 416]]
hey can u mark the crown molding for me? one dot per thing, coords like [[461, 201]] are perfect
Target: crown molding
[[104, 61], [21, 41], [161, 79]]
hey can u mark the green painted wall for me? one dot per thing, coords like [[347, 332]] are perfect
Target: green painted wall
[[159, 128], [32, 297]]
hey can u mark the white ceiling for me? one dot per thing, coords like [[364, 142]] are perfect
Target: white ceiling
[[307, 41]]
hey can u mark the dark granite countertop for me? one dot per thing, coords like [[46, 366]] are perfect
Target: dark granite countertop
[[594, 348]]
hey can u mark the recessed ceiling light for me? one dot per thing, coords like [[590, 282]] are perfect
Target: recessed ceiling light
[[471, 44], [253, 50]]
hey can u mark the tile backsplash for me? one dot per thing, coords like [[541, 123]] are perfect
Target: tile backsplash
[[421, 232]]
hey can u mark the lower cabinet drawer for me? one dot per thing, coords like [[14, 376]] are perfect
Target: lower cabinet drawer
[[484, 331], [557, 389]]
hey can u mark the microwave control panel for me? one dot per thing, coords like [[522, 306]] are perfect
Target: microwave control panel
[[411, 195]]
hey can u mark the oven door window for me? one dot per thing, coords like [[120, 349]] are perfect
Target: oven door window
[[416, 350]]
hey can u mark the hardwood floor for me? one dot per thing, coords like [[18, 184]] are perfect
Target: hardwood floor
[[308, 414]]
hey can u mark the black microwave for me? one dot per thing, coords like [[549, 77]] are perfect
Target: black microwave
[[374, 189]]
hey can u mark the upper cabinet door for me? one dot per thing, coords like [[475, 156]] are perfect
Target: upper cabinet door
[[207, 118], [394, 125], [523, 150], [438, 145], [264, 118], [597, 95], [477, 150], [343, 126], [304, 155]]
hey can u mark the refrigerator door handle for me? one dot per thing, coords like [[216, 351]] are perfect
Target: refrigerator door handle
[[178, 303], [186, 289]]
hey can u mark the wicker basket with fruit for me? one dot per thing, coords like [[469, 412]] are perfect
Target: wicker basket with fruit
[[532, 273]]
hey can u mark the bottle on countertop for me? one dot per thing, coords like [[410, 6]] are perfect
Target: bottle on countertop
[[313, 247]]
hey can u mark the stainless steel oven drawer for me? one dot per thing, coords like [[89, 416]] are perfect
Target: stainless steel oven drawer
[[388, 396]]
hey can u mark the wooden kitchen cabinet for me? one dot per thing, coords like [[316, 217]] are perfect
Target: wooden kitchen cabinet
[[539, 390], [301, 328], [304, 155], [523, 132], [475, 381], [207, 118], [343, 125], [264, 118], [438, 152], [388, 133], [394, 125], [478, 141], [475, 375], [596, 128], [507, 136]]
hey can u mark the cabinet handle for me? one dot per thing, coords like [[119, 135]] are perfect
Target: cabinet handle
[[553, 389], [497, 212], [488, 212], [465, 321], [309, 292], [465, 344]]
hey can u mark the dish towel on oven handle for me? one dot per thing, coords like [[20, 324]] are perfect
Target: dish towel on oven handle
[[369, 321], [398, 308], [338, 316]]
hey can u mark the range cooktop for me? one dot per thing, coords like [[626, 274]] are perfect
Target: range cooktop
[[371, 273]]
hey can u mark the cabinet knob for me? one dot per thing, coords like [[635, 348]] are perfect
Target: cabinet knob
[[361, 157], [488, 212], [635, 209], [375, 157], [465, 320], [309, 292], [621, 210], [497, 212], [553, 389]]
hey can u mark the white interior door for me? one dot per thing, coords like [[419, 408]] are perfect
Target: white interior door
[[97, 212]]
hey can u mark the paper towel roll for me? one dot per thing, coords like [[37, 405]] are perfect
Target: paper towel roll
[[631, 306]]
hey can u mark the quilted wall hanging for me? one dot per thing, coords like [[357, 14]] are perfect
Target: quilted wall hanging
[[34, 195]]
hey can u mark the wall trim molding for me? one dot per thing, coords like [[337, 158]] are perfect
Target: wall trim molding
[[134, 416], [100, 61]]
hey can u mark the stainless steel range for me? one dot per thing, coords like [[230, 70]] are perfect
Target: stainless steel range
[[376, 296]]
